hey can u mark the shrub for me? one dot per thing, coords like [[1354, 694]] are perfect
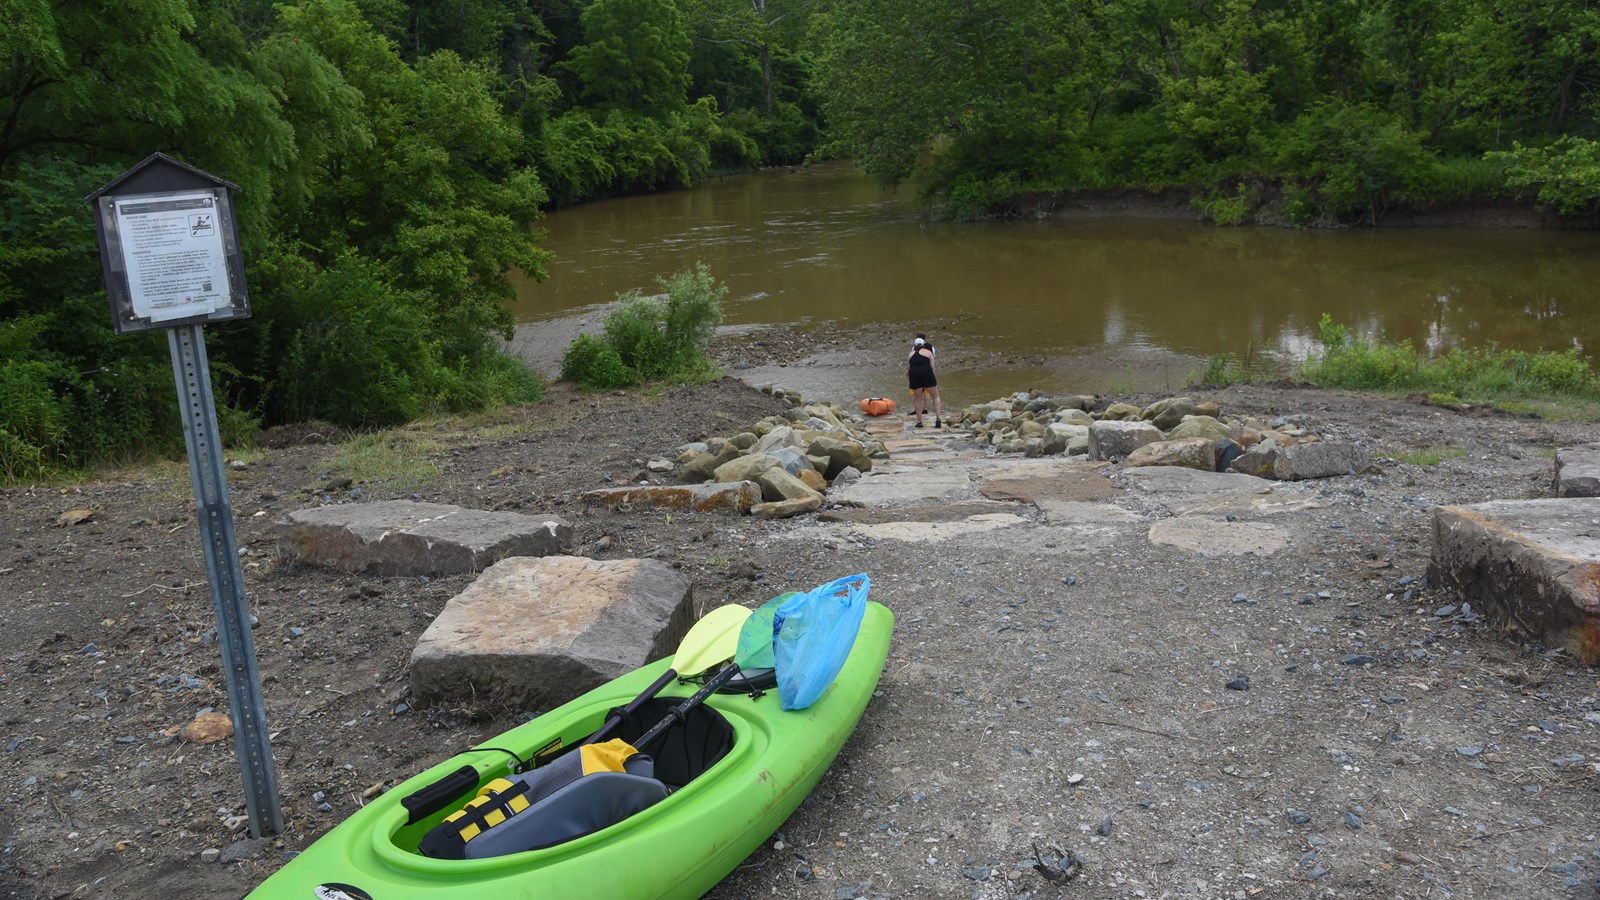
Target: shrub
[[593, 363], [662, 337]]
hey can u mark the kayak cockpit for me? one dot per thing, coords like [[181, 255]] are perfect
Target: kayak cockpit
[[682, 755]]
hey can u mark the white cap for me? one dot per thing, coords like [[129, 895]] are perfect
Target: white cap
[[918, 342]]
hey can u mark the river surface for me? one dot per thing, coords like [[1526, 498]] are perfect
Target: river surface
[[1065, 304]]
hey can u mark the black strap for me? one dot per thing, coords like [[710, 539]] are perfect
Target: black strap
[[444, 840]]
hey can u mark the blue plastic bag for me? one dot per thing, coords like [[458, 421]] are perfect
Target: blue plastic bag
[[812, 635]]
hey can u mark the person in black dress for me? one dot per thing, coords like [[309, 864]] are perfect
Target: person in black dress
[[923, 380]]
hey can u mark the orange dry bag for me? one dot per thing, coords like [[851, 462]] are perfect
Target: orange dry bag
[[877, 406]]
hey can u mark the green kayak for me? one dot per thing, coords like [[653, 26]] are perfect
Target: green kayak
[[735, 773]]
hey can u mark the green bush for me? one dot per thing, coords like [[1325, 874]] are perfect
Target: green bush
[[647, 338], [1565, 174], [593, 363]]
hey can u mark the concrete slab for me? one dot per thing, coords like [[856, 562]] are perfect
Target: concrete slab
[[895, 485], [1216, 538], [1178, 480], [1531, 566]]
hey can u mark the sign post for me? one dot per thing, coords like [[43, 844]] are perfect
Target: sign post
[[169, 246]]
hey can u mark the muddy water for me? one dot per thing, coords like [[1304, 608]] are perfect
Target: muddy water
[[1070, 303]]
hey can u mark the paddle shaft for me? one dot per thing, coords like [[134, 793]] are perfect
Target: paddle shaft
[[615, 721], [677, 715]]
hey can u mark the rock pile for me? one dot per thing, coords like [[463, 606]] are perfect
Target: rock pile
[[780, 467], [1176, 431]]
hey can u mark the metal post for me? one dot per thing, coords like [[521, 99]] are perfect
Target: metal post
[[243, 677]]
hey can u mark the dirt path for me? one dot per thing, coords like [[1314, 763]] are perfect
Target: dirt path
[[1058, 679]]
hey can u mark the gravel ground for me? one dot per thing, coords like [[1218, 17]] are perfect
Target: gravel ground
[[1069, 710]]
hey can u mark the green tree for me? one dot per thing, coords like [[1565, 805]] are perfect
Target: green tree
[[634, 56]]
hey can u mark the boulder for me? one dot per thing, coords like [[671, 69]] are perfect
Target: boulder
[[840, 453], [1530, 566], [813, 479], [784, 509], [782, 437], [1200, 427], [404, 537], [793, 460], [1166, 414], [737, 496], [746, 468], [534, 633], [1058, 437], [1578, 471], [776, 484], [1121, 412], [1115, 439], [703, 467], [1294, 462], [1188, 453]]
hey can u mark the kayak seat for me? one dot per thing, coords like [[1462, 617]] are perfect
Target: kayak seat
[[683, 752], [578, 794]]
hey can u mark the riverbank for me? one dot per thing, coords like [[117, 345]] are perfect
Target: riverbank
[[1059, 682], [1267, 209]]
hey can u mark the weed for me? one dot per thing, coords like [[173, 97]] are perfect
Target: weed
[[392, 458], [1425, 456]]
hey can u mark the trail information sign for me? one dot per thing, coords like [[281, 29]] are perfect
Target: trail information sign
[[169, 246], [171, 260], [172, 250]]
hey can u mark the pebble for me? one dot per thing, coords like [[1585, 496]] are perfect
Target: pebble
[[1359, 659], [1106, 825], [1242, 683], [1352, 821], [1470, 750], [210, 855], [1299, 817], [1241, 598], [1076, 778]]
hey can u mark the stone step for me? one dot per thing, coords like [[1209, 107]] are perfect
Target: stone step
[[534, 633], [1530, 566], [1578, 471], [405, 537]]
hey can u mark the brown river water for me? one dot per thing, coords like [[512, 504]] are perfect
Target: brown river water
[[1067, 304]]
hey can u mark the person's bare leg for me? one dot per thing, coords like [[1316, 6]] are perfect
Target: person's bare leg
[[919, 399], [938, 409]]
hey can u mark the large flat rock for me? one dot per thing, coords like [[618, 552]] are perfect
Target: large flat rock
[[403, 537], [1531, 566], [1214, 538], [1179, 480], [903, 485], [534, 633], [734, 496], [1030, 481]]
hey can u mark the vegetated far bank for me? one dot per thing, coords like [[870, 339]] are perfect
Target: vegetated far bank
[[1487, 211]]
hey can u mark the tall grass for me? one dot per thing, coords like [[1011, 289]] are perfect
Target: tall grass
[[1485, 375]]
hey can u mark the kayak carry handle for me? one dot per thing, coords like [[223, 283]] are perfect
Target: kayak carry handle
[[438, 795]]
